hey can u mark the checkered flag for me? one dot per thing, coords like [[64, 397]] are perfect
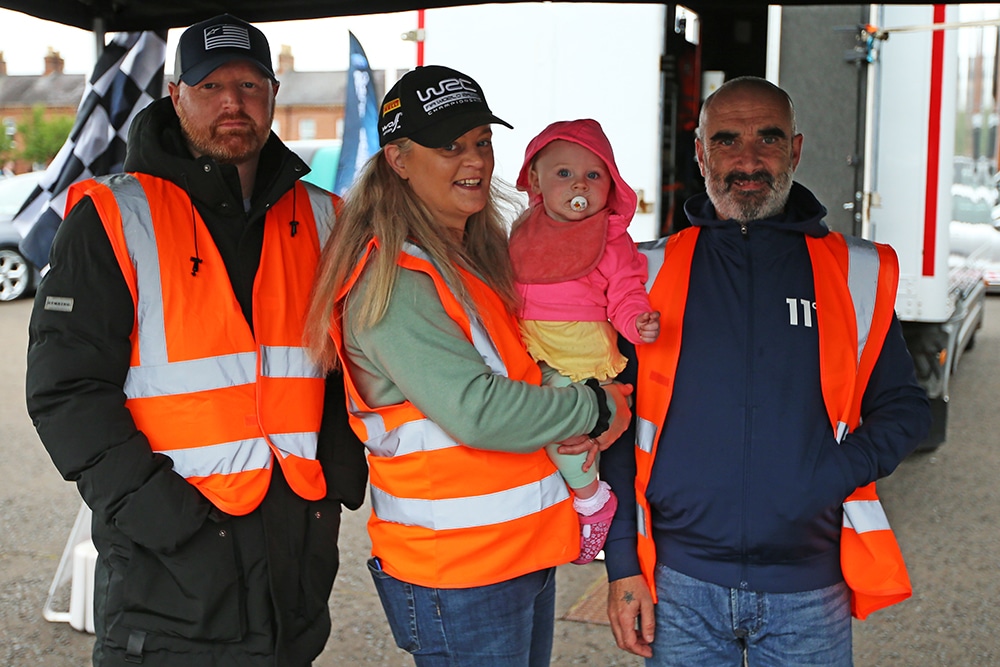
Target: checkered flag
[[127, 77]]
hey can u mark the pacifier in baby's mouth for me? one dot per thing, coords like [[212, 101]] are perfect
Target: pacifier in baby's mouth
[[578, 203]]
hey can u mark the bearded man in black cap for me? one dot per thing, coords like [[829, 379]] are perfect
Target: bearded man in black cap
[[167, 377]]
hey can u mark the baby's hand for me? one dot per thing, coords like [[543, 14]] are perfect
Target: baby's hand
[[648, 326]]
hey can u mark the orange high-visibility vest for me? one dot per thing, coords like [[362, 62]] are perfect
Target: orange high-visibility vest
[[855, 283], [445, 515], [217, 398]]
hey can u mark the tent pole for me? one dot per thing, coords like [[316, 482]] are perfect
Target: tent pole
[[98, 31]]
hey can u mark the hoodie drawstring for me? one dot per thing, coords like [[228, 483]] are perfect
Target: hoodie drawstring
[[293, 223], [196, 259]]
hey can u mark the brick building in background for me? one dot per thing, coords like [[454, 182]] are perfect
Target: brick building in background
[[310, 105], [56, 92]]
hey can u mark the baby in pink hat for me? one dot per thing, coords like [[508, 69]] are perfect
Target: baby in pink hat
[[581, 282]]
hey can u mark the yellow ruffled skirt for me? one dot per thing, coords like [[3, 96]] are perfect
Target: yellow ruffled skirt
[[578, 350]]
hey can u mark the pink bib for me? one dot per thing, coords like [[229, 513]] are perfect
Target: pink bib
[[545, 251]]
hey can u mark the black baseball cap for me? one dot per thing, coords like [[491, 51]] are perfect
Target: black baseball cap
[[210, 44], [433, 106]]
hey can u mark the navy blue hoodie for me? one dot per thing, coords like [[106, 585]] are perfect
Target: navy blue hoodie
[[748, 481]]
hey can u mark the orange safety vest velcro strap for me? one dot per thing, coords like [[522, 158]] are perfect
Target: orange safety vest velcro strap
[[657, 364]]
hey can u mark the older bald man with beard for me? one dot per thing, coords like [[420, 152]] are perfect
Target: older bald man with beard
[[755, 420]]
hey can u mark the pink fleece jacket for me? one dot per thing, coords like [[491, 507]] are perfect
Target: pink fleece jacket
[[615, 289]]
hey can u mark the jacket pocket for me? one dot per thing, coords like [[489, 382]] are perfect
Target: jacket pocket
[[193, 593], [320, 558]]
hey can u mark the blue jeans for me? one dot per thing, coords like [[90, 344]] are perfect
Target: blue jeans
[[509, 624], [702, 624]]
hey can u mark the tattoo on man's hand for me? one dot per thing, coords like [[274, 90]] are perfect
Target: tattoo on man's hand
[[628, 597]]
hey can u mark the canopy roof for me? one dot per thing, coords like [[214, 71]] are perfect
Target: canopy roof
[[124, 15]]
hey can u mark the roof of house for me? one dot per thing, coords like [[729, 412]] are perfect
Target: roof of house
[[317, 88], [66, 90], [52, 90]]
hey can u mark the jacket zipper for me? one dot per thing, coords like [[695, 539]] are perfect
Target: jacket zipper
[[748, 408]]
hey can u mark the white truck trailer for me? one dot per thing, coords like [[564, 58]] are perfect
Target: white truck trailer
[[907, 197]]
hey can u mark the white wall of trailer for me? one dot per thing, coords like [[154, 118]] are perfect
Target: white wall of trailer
[[543, 62], [901, 173]]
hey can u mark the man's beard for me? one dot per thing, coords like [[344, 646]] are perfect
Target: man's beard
[[757, 205], [226, 147]]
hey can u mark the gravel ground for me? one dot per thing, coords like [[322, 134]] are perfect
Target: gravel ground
[[945, 507]]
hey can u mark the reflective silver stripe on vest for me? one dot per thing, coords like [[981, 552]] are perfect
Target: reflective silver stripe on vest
[[323, 213], [222, 459], [862, 283], [415, 436], [421, 435], [287, 362], [374, 424], [302, 445], [141, 241], [654, 252], [480, 338], [864, 516], [183, 377], [645, 434], [640, 518], [471, 511], [228, 370]]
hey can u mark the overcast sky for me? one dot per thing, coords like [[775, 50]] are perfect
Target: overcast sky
[[318, 44]]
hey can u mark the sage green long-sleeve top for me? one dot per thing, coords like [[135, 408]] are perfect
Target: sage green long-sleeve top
[[416, 352]]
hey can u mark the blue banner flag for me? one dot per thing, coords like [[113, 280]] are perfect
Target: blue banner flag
[[360, 118], [127, 77]]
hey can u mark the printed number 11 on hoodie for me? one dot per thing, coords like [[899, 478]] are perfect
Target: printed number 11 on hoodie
[[793, 311]]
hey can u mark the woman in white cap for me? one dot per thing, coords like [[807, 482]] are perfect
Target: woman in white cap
[[415, 302]]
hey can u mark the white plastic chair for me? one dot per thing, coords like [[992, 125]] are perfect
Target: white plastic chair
[[76, 566]]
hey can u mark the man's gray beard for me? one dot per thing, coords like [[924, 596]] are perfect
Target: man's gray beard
[[730, 207]]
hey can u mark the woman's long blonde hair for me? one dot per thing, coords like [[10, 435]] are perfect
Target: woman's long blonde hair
[[381, 204]]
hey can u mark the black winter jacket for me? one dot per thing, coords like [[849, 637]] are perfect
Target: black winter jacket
[[175, 575]]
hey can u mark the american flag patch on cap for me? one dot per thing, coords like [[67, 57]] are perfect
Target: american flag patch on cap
[[223, 36]]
